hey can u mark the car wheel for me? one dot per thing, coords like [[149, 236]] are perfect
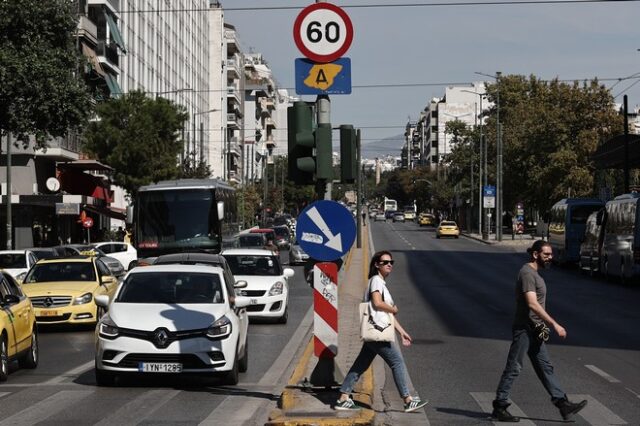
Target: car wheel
[[285, 316], [4, 360], [30, 360], [105, 378], [243, 363], [231, 377]]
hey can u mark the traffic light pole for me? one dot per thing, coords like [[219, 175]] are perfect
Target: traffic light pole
[[323, 111], [359, 193]]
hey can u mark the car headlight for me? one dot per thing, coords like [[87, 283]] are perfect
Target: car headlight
[[276, 289], [220, 328], [85, 298], [107, 328]]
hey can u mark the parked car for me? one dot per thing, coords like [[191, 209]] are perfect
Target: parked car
[[173, 319], [44, 252], [447, 228], [283, 237], [86, 250], [124, 252], [297, 255], [426, 219], [63, 290], [267, 281], [17, 262], [18, 331], [398, 217]]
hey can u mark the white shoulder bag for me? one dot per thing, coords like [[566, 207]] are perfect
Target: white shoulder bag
[[369, 331]]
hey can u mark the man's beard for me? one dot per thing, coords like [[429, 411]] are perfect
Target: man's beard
[[546, 264]]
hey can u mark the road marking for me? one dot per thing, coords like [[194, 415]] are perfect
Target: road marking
[[4, 394], [73, 373], [236, 410], [602, 374], [485, 401], [140, 408], [637, 395], [46, 408], [595, 413]]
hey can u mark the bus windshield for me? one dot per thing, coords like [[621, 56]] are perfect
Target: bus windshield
[[177, 219]]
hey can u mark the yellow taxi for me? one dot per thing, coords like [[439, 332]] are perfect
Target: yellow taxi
[[18, 333], [426, 219], [63, 290], [447, 228]]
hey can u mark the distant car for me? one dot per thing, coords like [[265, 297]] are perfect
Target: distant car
[[63, 290], [398, 217], [267, 281], [389, 214], [44, 252], [297, 255], [18, 331], [173, 319], [17, 262], [380, 217], [409, 215], [372, 214], [426, 219], [86, 250], [252, 240], [124, 252], [447, 228], [283, 237], [198, 259]]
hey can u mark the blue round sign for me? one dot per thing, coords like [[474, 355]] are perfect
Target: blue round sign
[[326, 230]]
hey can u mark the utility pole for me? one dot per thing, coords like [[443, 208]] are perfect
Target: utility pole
[[359, 193], [9, 213], [499, 183], [323, 111]]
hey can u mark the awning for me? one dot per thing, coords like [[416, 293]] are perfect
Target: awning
[[93, 58], [115, 32], [610, 155], [112, 212], [84, 165], [113, 85]]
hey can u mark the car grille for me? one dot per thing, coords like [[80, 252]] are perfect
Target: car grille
[[172, 336], [255, 308], [252, 293], [50, 301], [64, 317], [187, 360]]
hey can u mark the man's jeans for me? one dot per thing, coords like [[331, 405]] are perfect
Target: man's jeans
[[525, 341], [390, 353]]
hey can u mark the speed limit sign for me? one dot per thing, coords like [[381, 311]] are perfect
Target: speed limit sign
[[323, 32]]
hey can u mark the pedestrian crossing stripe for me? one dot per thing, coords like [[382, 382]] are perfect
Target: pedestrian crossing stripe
[[485, 401]]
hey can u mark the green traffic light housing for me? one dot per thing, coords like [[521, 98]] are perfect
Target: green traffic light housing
[[348, 151], [301, 143]]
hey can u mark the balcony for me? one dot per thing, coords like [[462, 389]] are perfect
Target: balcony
[[87, 29], [108, 54], [234, 147], [232, 40], [232, 121], [232, 69], [233, 93]]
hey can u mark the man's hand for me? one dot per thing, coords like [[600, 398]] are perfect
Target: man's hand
[[560, 330]]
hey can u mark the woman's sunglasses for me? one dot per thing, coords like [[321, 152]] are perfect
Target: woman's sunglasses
[[386, 262]]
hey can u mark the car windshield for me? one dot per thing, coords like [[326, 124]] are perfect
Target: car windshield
[[281, 232], [448, 224], [253, 265], [171, 288], [61, 271], [13, 260], [251, 241]]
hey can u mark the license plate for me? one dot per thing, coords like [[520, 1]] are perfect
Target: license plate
[[160, 367], [48, 313], [254, 301]]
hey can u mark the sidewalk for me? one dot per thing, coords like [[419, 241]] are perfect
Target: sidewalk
[[304, 404], [518, 243]]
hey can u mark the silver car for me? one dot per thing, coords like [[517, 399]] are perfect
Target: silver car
[[297, 256]]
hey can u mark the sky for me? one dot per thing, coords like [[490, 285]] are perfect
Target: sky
[[415, 52]]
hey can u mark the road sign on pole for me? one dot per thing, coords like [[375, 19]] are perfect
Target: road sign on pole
[[323, 32], [326, 230]]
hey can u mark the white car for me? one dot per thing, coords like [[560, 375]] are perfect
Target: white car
[[124, 252], [173, 319], [17, 262], [267, 281]]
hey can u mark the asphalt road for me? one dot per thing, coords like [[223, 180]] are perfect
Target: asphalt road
[[456, 299], [62, 389]]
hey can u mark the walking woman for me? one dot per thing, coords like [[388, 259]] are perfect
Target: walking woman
[[383, 306]]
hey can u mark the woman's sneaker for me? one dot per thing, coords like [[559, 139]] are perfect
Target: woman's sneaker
[[347, 405], [414, 404]]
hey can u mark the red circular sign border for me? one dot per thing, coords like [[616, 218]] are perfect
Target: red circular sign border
[[87, 223], [309, 54]]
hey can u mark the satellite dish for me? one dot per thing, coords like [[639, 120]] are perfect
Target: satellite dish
[[53, 184]]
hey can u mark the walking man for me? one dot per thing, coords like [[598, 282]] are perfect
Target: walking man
[[530, 332]]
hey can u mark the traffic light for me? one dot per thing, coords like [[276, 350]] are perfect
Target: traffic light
[[348, 159], [301, 142], [324, 152]]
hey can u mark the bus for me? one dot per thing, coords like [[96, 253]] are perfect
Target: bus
[[390, 205], [621, 242], [567, 222], [184, 215]]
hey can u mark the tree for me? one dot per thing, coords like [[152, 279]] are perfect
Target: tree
[[40, 91], [192, 169], [139, 137]]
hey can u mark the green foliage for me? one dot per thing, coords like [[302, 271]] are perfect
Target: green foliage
[[40, 91], [193, 168], [249, 199], [139, 137]]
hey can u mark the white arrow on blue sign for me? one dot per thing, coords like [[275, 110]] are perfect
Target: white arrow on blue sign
[[325, 230]]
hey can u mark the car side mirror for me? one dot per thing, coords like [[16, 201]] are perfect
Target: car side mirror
[[105, 279], [10, 299], [288, 272], [102, 300], [240, 284]]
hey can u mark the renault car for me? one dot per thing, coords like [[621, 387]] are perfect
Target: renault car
[[173, 319], [63, 290]]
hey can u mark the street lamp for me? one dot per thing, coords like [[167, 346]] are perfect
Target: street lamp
[[480, 175], [499, 191], [181, 90]]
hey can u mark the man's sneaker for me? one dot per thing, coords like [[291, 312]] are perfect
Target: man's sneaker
[[346, 405], [414, 404], [568, 408], [501, 414]]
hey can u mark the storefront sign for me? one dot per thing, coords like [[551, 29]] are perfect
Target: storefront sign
[[67, 209]]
